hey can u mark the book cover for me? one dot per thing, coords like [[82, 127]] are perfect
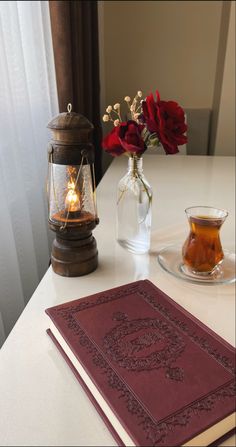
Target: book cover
[[154, 372]]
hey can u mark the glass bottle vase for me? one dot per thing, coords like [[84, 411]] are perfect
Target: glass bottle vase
[[134, 208]]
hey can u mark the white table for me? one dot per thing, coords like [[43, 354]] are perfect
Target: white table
[[41, 402]]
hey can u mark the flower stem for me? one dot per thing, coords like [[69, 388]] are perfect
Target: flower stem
[[135, 174]]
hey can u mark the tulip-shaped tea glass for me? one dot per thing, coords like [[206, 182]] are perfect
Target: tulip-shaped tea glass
[[202, 251]]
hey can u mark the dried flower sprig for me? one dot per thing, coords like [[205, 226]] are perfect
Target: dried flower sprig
[[135, 106], [111, 111], [114, 113]]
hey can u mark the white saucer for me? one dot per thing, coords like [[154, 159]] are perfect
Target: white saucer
[[170, 259]]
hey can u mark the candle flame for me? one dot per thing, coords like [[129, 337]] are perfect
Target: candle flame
[[71, 185], [72, 201]]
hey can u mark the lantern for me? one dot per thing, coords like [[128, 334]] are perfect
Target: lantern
[[71, 195]]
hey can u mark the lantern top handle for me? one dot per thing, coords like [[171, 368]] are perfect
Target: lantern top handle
[[70, 121]]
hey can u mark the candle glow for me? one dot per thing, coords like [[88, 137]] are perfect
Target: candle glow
[[72, 200]]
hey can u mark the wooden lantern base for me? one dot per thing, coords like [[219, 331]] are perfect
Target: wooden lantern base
[[74, 257]]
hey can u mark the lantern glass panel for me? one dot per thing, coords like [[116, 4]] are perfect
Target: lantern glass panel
[[71, 197]]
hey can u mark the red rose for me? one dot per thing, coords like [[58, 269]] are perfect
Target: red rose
[[166, 119], [130, 137], [125, 138], [111, 143]]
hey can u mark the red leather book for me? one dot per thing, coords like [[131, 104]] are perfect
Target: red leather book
[[156, 374]]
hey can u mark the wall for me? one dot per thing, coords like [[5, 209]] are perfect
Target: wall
[[225, 135], [171, 45]]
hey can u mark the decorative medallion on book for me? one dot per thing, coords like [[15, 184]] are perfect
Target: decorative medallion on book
[[145, 344]]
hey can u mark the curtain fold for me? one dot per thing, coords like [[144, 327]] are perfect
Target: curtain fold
[[74, 27], [28, 100]]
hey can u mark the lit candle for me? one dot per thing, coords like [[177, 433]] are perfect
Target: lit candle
[[72, 201]]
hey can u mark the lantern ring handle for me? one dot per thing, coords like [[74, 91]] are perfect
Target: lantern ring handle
[[85, 153], [69, 107]]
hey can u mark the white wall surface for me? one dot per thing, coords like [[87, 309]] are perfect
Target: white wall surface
[[225, 136], [169, 45]]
